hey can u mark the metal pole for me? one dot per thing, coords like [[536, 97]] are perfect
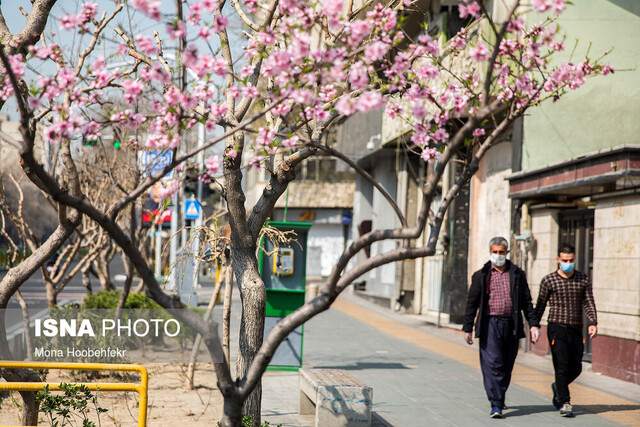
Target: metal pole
[[198, 221], [158, 269], [173, 245]]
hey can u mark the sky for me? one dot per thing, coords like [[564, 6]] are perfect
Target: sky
[[132, 21]]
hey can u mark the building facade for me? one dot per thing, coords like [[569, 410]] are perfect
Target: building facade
[[571, 171]]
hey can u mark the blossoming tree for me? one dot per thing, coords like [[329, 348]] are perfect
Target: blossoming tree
[[305, 67]]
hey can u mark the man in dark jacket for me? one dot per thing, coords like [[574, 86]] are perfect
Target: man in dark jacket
[[499, 292]]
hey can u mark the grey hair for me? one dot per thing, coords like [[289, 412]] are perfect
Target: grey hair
[[499, 241]]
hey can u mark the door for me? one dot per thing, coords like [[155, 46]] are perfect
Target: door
[[576, 228]]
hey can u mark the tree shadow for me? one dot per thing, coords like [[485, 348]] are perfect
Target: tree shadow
[[365, 365], [521, 410]]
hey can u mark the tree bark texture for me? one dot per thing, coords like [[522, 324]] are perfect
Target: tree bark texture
[[226, 313], [253, 297], [196, 344]]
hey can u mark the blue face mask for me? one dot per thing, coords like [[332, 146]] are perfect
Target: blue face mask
[[567, 267]]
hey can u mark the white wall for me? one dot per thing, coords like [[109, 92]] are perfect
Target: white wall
[[489, 205]]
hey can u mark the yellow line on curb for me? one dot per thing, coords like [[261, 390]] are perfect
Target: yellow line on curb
[[592, 400]]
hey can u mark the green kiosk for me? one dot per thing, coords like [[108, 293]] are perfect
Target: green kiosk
[[284, 274]]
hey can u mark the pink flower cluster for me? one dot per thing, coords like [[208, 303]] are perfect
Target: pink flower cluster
[[70, 21], [212, 165]]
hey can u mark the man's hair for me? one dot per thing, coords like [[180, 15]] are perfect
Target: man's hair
[[566, 248], [499, 241]]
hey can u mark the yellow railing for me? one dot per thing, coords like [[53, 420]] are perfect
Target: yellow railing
[[141, 388]]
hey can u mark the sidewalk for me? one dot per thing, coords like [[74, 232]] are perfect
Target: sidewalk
[[422, 375]]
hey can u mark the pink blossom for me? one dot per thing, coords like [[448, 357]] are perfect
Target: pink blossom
[[332, 10], [428, 71], [250, 92], [252, 5], [370, 101], [146, 45], [478, 132], [159, 74], [429, 154], [541, 5], [132, 90], [358, 76], [607, 69], [69, 21], [479, 53], [219, 23], [91, 130], [267, 37], [472, 9], [431, 45], [265, 136], [17, 65], [358, 30], [376, 51], [282, 109], [393, 110], [559, 6], [177, 30], [255, 162], [170, 189], [66, 78], [346, 105], [231, 153], [213, 164], [204, 32], [440, 135], [173, 97], [219, 67], [291, 143], [151, 8], [34, 103]]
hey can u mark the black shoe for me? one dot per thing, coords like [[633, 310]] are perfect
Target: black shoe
[[555, 396]]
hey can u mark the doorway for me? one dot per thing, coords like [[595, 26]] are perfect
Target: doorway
[[576, 228]]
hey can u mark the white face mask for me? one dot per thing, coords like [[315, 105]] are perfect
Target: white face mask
[[498, 260]]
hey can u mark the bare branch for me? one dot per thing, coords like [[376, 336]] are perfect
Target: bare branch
[[244, 16]]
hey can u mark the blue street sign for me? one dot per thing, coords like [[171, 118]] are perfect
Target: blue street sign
[[154, 162], [347, 217], [191, 209]]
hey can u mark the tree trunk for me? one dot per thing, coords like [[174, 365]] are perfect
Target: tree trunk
[[86, 278], [25, 320], [30, 405], [101, 270], [226, 314], [52, 295], [196, 344], [253, 296], [232, 414]]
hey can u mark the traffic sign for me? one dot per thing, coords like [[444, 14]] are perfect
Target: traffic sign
[[154, 162], [191, 209]]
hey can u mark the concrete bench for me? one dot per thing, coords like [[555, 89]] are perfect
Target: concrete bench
[[335, 396]]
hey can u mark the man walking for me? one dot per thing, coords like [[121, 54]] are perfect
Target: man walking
[[499, 292], [567, 291]]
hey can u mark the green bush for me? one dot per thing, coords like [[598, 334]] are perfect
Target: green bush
[[109, 299]]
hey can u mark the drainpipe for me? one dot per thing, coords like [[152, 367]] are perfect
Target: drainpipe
[[397, 305], [525, 233], [446, 178], [421, 241]]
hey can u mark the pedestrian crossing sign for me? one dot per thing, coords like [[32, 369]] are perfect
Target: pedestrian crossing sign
[[191, 209]]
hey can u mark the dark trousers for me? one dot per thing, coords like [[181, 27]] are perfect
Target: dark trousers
[[566, 350], [498, 350]]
